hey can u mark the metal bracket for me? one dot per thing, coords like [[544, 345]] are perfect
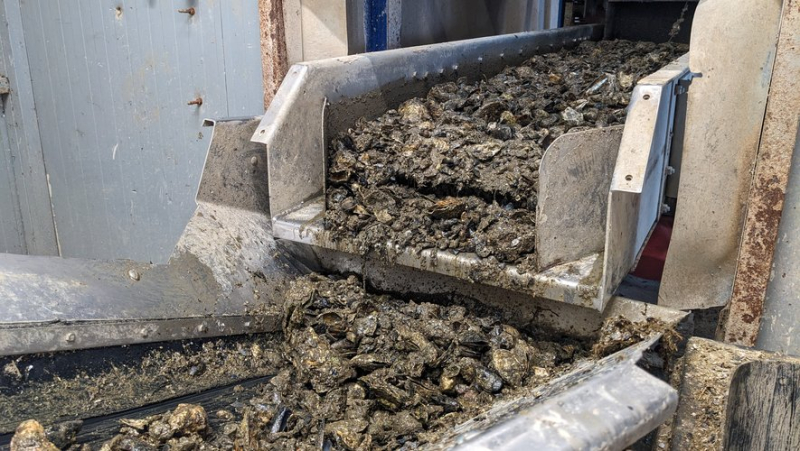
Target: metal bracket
[[682, 87]]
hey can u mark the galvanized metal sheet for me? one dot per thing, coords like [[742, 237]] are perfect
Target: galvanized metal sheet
[[734, 49], [111, 82], [12, 234], [574, 179]]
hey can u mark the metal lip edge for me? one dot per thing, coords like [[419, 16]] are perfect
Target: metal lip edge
[[675, 69], [212, 121], [125, 321], [288, 91], [565, 283], [297, 73], [581, 32], [54, 337]]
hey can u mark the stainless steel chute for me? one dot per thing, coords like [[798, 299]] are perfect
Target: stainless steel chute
[[593, 227]]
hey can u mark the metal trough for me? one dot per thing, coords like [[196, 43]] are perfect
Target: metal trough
[[591, 224]]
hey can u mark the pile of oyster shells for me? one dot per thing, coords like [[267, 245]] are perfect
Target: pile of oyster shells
[[458, 169], [365, 371]]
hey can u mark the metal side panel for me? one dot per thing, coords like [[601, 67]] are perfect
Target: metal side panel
[[574, 178], [637, 186], [734, 49], [23, 147], [756, 268], [111, 84], [295, 149]]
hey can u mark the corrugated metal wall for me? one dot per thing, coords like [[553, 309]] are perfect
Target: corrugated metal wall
[[110, 81]]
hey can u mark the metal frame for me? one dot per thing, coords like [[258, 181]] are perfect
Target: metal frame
[[319, 99], [637, 188]]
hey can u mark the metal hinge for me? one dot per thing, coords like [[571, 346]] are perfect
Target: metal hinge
[[682, 87]]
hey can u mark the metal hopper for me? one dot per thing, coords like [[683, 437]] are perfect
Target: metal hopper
[[600, 190]]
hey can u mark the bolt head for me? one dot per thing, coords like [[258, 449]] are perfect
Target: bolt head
[[254, 161], [202, 328], [134, 275], [70, 337]]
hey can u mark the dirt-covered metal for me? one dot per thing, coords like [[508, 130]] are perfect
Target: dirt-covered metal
[[225, 263]]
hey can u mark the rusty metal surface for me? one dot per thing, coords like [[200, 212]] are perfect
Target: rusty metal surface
[[779, 322], [734, 49], [765, 203], [274, 54]]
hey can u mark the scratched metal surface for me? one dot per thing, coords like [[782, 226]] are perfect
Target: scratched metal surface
[[26, 218], [12, 238], [111, 81]]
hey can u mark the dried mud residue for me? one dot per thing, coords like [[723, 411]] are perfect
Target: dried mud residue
[[458, 169]]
